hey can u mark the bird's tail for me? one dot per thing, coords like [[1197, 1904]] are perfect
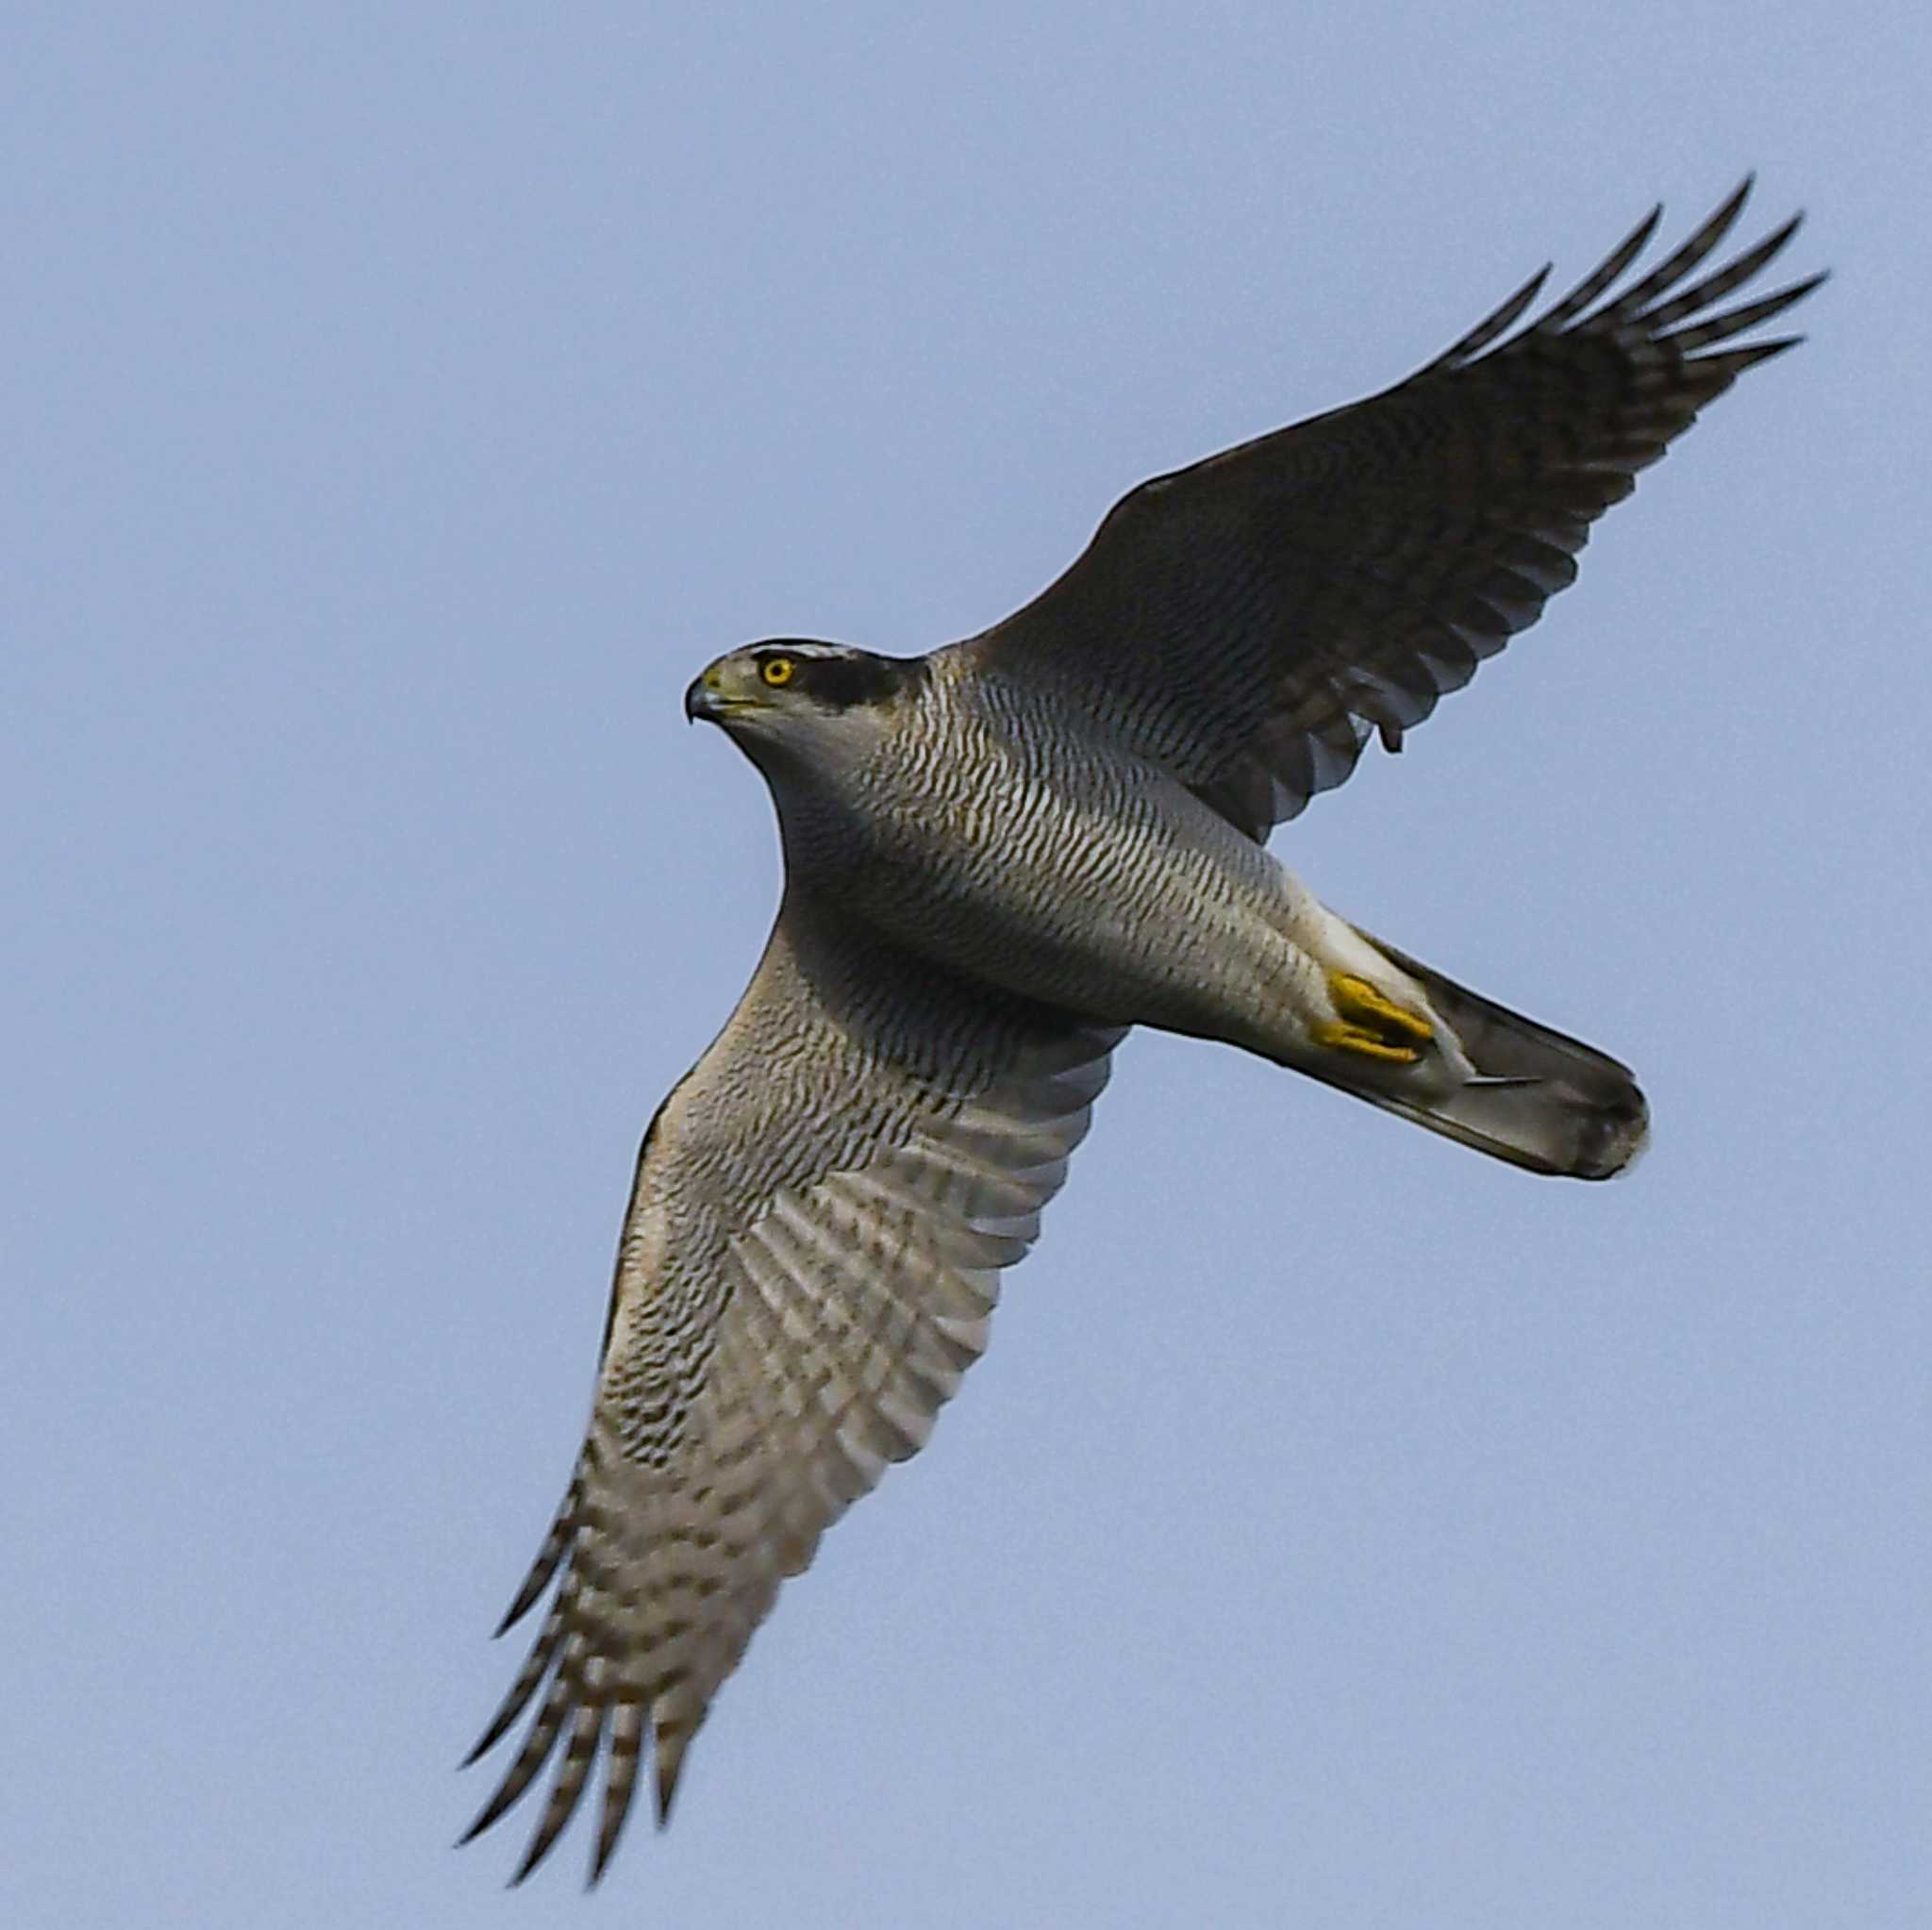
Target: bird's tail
[[1534, 1097]]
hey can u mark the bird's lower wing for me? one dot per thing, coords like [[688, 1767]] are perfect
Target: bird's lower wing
[[814, 1247]]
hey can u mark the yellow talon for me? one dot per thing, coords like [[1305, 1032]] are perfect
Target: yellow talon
[[1355, 998], [1371, 1023], [1354, 1039]]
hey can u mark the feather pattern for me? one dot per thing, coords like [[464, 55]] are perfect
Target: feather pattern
[[793, 1305], [1253, 620]]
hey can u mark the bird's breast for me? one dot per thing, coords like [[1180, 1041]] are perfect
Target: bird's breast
[[1088, 880]]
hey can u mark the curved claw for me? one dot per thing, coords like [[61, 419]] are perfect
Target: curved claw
[[1369, 1023]]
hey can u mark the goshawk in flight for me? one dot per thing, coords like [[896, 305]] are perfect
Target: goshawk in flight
[[999, 857]]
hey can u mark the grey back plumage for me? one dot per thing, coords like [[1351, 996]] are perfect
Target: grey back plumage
[[1253, 620]]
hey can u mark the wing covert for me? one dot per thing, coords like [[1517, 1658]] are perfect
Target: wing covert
[[1252, 619], [821, 1212]]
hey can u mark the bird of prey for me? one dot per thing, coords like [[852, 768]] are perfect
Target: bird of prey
[[1002, 856]]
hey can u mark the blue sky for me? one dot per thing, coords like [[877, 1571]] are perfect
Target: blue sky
[[401, 406]]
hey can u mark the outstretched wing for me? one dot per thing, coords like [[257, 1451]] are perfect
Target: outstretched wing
[[1251, 620], [814, 1247]]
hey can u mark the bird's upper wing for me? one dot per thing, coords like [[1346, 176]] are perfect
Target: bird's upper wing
[[813, 1246], [1251, 620]]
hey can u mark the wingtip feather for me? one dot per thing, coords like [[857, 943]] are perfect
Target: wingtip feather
[[668, 1767]]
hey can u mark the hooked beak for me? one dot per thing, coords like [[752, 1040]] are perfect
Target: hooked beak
[[726, 689], [707, 697]]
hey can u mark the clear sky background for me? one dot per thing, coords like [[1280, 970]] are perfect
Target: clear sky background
[[400, 404]]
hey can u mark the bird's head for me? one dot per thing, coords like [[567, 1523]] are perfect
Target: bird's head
[[791, 694]]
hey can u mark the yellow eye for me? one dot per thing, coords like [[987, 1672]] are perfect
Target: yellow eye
[[778, 671]]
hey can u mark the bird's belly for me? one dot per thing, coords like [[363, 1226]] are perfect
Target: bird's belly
[[1134, 905]]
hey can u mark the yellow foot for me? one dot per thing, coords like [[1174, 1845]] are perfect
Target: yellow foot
[[1371, 1023]]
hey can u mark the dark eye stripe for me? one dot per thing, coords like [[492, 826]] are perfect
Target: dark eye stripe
[[840, 682], [836, 678]]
